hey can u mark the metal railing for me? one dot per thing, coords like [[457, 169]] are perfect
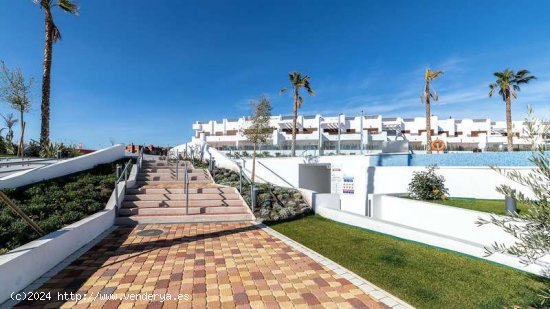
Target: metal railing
[[139, 161], [121, 175], [186, 188], [277, 175], [177, 164], [7, 162], [21, 214], [253, 190]]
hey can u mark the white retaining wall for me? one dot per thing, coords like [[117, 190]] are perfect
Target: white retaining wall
[[444, 220], [64, 167], [21, 266], [25, 264], [462, 181]]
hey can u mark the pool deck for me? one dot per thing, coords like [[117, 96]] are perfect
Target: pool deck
[[208, 265]]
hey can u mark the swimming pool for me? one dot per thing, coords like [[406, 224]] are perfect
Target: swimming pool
[[519, 158]]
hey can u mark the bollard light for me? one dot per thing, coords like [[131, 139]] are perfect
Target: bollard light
[[253, 197], [511, 205]]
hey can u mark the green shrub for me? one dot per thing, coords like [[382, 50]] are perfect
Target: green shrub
[[55, 203], [427, 185], [33, 149], [273, 203]]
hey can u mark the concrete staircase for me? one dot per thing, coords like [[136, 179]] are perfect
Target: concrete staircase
[[159, 197]]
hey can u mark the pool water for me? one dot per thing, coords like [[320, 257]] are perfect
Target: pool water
[[519, 158]]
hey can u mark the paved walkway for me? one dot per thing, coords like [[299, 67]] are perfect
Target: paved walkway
[[214, 265]]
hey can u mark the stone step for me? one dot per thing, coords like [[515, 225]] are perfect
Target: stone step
[[164, 165], [171, 177], [171, 170], [218, 190], [181, 203], [172, 173], [134, 220], [181, 197], [180, 211], [172, 183]]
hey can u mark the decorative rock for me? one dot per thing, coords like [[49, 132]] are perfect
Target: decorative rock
[[290, 204]]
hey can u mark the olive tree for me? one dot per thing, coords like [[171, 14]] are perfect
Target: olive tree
[[259, 131], [15, 91], [531, 228]]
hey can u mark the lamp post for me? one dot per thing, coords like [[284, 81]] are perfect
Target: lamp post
[[339, 132], [361, 124]]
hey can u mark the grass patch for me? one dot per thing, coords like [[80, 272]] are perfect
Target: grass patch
[[491, 206], [424, 276], [55, 203]]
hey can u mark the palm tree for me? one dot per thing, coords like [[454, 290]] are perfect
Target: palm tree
[[507, 84], [426, 98], [52, 35], [297, 81], [10, 122]]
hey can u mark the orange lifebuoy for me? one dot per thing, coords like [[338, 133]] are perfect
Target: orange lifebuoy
[[438, 145]]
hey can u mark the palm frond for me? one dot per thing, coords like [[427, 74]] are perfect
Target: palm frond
[[521, 73], [492, 88], [525, 80], [10, 120], [307, 86], [300, 102], [508, 81], [56, 34], [294, 77], [434, 95], [68, 6], [430, 75]]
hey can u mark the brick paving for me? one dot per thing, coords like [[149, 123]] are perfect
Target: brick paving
[[208, 265]]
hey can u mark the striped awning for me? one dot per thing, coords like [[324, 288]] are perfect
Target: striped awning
[[288, 125], [331, 124]]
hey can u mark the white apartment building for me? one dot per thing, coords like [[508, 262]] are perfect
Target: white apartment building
[[349, 132]]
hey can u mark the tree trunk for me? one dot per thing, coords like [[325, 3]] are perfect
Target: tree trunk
[[294, 123], [509, 134], [253, 164], [21, 147], [47, 65], [428, 120]]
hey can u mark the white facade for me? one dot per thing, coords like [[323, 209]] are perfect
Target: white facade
[[321, 132]]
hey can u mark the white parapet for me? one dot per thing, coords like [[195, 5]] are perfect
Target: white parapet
[[64, 167]]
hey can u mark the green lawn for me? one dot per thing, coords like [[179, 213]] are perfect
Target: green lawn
[[420, 275], [492, 206]]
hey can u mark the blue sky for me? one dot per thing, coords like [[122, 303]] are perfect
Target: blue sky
[[144, 71]]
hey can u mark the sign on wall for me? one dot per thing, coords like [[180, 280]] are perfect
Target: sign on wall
[[348, 185]]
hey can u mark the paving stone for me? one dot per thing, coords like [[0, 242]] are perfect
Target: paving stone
[[219, 265]]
